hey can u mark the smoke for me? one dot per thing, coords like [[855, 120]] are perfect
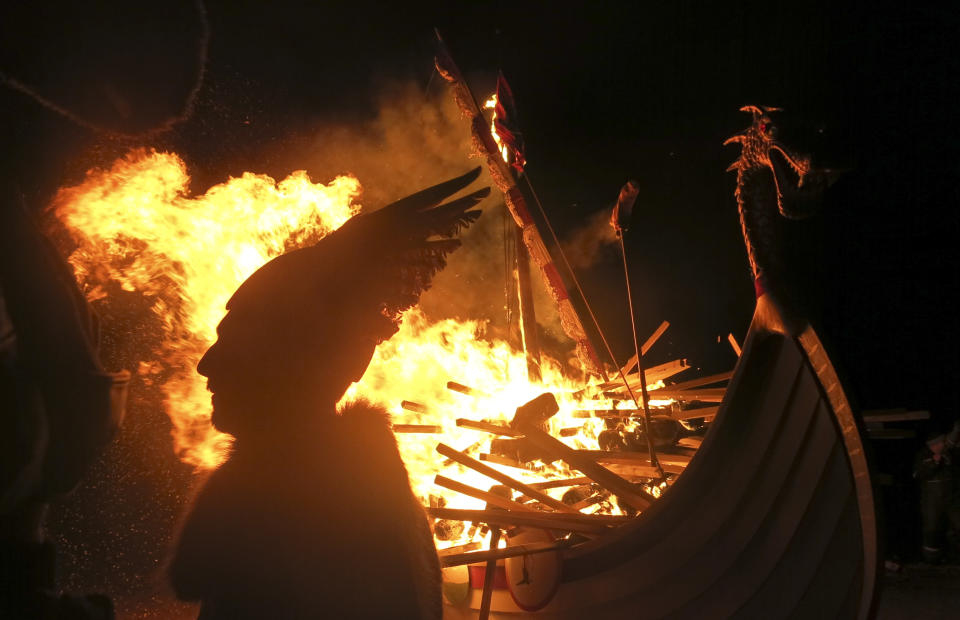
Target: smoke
[[414, 141], [586, 246]]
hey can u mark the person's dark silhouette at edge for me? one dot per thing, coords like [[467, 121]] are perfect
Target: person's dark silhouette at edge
[[72, 75], [312, 515]]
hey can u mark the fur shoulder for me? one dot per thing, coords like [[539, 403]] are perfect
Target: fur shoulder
[[368, 420]]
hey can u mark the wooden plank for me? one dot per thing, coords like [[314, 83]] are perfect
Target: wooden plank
[[622, 488], [891, 433], [894, 415], [565, 482], [409, 405], [502, 478], [656, 373], [453, 386], [635, 458], [646, 347], [470, 546], [707, 413], [496, 429], [508, 462], [692, 383], [458, 559], [704, 395], [426, 429], [639, 471], [734, 344], [487, 496], [589, 524]]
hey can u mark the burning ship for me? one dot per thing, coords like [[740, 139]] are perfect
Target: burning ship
[[625, 497]]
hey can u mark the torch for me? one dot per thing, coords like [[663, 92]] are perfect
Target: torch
[[620, 220]]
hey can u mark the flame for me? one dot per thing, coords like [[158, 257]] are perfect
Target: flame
[[137, 226], [491, 104]]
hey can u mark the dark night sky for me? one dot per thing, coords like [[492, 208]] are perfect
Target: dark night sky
[[606, 91]]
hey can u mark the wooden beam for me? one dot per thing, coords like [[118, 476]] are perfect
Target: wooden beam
[[646, 347], [458, 559], [734, 344], [502, 478], [654, 374], [894, 415], [565, 482], [508, 462], [470, 546], [707, 413], [622, 488], [602, 456], [580, 523], [464, 389], [429, 429], [409, 405], [705, 395], [487, 427], [487, 496], [690, 442], [488, 575], [640, 471], [891, 433], [693, 383]]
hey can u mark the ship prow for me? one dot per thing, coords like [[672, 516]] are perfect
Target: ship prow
[[773, 518]]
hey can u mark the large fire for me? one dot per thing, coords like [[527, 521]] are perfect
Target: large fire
[[136, 224]]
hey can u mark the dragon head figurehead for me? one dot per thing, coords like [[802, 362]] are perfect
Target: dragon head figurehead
[[773, 182], [798, 185], [759, 143]]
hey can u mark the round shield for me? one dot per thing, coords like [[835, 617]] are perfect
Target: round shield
[[533, 579]]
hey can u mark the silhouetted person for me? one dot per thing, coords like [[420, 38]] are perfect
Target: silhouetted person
[[58, 408], [70, 74], [312, 516]]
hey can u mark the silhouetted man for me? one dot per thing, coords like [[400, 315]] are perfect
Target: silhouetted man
[[312, 515]]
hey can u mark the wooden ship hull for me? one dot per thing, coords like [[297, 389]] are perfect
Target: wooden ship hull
[[773, 517]]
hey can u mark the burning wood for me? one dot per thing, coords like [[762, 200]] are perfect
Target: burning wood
[[578, 523], [706, 395], [427, 429], [497, 429], [463, 389], [631, 458], [488, 576], [646, 347], [700, 381], [502, 478], [622, 488], [565, 482], [707, 413], [458, 559], [734, 344], [508, 462], [452, 551], [409, 405], [487, 496]]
